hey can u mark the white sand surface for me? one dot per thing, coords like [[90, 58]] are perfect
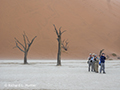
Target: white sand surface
[[45, 75]]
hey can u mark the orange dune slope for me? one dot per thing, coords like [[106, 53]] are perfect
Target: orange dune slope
[[91, 25]]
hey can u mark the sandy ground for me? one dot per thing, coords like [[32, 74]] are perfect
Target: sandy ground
[[44, 74]]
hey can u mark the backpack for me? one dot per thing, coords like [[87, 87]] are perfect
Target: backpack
[[100, 63]]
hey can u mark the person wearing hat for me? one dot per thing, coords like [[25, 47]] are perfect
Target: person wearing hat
[[96, 60], [89, 62], [102, 60]]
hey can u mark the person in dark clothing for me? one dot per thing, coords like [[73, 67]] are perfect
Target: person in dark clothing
[[102, 60], [93, 62], [89, 62]]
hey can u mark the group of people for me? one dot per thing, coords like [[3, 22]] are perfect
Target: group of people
[[94, 62]]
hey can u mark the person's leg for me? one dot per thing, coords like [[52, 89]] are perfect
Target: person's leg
[[103, 67], [100, 69], [89, 66], [92, 66], [95, 67]]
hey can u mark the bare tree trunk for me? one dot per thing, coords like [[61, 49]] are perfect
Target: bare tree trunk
[[59, 52], [25, 58], [59, 44], [26, 47]]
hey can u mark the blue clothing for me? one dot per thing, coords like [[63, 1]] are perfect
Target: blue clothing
[[92, 58], [102, 59], [99, 63]]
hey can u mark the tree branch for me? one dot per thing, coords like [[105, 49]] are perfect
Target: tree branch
[[25, 42], [101, 52], [60, 30], [31, 43], [63, 42], [19, 47], [65, 47], [14, 47], [63, 31], [27, 38], [19, 43], [66, 42], [55, 30]]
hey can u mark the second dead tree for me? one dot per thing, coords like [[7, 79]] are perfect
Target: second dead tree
[[59, 33]]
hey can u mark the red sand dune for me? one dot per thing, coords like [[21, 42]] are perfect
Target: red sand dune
[[91, 25]]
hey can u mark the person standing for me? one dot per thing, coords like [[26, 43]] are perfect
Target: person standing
[[89, 62], [96, 60], [102, 60], [93, 63]]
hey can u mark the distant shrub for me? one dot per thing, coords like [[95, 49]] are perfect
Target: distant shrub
[[110, 59], [114, 54], [118, 57], [107, 57]]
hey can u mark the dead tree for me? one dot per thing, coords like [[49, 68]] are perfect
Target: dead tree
[[25, 47], [59, 33], [101, 52], [65, 44]]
